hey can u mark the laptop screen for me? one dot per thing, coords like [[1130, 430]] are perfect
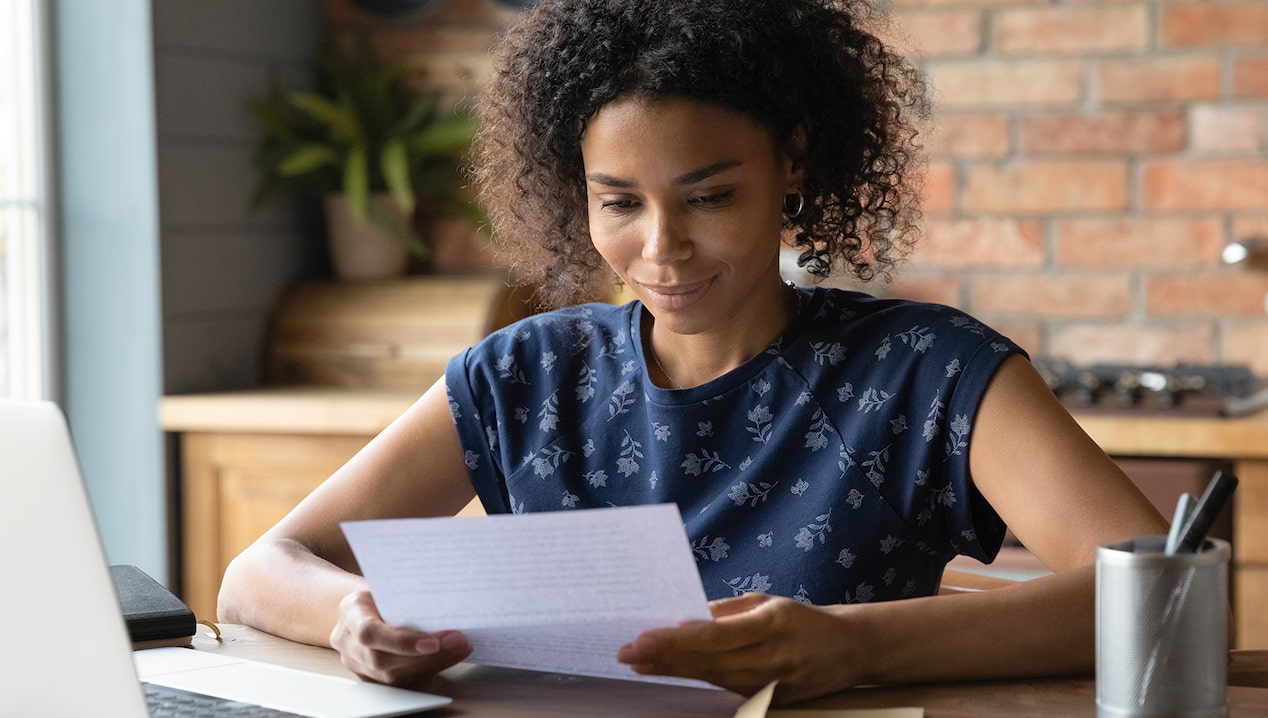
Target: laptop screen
[[66, 651]]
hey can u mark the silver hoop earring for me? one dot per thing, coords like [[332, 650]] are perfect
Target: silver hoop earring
[[794, 204]]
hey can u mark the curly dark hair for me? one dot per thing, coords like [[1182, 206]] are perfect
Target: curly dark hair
[[785, 63]]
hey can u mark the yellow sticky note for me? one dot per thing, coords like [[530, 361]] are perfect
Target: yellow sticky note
[[756, 706], [848, 713], [759, 707]]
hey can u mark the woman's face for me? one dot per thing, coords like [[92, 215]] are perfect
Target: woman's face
[[685, 203]]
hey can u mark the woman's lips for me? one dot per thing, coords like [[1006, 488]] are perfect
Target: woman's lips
[[675, 296]]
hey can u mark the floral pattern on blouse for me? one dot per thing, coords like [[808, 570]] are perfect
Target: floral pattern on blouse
[[831, 468]]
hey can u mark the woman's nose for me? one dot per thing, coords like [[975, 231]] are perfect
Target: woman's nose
[[666, 241]]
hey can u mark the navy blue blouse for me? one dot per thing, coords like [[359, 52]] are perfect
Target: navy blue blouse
[[831, 468]]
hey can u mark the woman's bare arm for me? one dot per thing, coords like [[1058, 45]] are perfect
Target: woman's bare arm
[[1060, 493], [291, 581]]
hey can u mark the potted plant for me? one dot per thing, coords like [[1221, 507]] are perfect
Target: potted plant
[[373, 148]]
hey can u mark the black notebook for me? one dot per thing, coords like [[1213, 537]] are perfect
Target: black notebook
[[154, 615]]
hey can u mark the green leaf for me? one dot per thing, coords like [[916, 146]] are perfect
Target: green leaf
[[342, 123], [356, 183], [448, 136], [421, 113], [394, 161], [306, 158]]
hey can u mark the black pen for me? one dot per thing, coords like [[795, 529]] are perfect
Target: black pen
[[1203, 515]]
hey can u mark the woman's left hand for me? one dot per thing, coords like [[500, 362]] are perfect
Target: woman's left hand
[[752, 640]]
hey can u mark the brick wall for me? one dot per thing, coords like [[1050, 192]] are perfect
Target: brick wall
[[1088, 160]]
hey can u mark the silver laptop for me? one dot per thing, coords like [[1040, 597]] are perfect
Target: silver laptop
[[65, 649]]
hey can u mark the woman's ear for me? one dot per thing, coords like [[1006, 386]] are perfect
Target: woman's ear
[[795, 153]]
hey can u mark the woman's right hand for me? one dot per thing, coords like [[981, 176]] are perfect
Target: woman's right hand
[[377, 651]]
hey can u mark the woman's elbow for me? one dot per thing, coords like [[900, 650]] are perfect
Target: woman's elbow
[[234, 596]]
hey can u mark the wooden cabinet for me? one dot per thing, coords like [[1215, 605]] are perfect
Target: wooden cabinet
[[246, 459], [235, 486], [1250, 553]]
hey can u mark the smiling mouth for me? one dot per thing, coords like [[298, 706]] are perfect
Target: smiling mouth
[[676, 296]]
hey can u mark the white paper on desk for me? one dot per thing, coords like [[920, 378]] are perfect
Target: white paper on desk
[[553, 591]]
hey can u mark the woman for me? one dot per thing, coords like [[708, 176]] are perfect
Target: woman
[[829, 451]]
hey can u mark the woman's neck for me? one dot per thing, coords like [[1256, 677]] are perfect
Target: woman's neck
[[680, 361]]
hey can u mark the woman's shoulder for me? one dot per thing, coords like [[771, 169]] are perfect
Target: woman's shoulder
[[579, 324], [865, 333], [864, 313], [578, 335]]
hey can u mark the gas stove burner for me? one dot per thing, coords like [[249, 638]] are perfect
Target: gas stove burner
[[1202, 389]]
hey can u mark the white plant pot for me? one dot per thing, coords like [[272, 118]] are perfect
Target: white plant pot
[[360, 250]]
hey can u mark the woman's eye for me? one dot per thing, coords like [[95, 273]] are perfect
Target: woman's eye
[[616, 204], [710, 200]]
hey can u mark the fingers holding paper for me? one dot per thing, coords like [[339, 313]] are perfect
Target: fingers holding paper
[[378, 651], [752, 640]]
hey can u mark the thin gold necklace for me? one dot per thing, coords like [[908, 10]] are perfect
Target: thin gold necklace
[[660, 366], [799, 298]]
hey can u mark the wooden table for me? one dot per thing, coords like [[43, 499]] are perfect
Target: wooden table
[[496, 692]]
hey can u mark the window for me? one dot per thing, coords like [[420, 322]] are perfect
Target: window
[[25, 337]]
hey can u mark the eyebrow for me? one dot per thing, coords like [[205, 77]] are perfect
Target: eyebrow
[[691, 177]]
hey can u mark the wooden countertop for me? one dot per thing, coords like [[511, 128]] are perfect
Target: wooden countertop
[[1179, 436], [341, 411], [286, 411]]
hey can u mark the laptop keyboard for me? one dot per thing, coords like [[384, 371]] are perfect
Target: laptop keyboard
[[165, 702]]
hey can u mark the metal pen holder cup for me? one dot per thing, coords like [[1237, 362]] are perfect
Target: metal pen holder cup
[[1161, 630]]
